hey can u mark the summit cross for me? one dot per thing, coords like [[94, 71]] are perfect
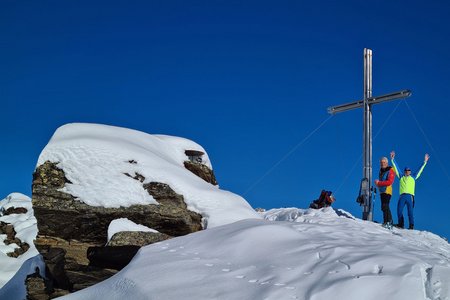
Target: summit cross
[[367, 189]]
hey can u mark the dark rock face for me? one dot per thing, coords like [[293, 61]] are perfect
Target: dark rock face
[[16, 210], [55, 261], [68, 227], [165, 195], [137, 238], [201, 171], [109, 257]]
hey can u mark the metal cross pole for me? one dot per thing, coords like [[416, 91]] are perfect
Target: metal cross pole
[[366, 103]]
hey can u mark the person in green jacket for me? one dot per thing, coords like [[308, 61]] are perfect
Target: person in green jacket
[[407, 188]]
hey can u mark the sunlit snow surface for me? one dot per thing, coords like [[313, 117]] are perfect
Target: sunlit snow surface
[[297, 254]]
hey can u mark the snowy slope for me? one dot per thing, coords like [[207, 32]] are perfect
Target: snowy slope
[[95, 157], [25, 226], [295, 254]]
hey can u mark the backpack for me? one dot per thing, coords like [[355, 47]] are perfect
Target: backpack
[[325, 200]]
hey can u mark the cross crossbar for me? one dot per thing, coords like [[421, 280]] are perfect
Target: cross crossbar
[[373, 100]]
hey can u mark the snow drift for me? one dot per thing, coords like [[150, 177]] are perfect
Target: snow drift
[[26, 230], [295, 254]]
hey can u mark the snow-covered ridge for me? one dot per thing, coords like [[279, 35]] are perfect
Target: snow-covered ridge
[[95, 158], [292, 254], [319, 254], [25, 226]]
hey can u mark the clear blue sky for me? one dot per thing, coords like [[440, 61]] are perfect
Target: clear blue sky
[[248, 80]]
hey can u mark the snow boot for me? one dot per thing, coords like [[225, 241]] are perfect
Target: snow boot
[[387, 225], [399, 226]]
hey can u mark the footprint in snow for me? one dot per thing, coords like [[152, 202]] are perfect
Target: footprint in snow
[[345, 264], [377, 269], [437, 283], [123, 285], [437, 288]]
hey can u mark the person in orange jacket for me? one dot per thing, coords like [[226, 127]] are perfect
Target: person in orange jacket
[[384, 183]]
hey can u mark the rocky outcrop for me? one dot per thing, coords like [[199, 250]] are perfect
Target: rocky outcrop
[[201, 171], [73, 220], [69, 227], [67, 266], [60, 215]]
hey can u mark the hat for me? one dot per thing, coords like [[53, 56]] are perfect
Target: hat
[[407, 169]]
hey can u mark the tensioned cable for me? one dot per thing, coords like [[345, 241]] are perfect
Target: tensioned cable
[[428, 142], [359, 158], [286, 156]]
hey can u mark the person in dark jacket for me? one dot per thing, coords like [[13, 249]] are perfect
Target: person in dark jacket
[[384, 183]]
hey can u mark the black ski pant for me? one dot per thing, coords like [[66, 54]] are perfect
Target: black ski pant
[[387, 216]]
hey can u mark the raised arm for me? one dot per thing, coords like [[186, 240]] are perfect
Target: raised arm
[[394, 165], [423, 166]]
